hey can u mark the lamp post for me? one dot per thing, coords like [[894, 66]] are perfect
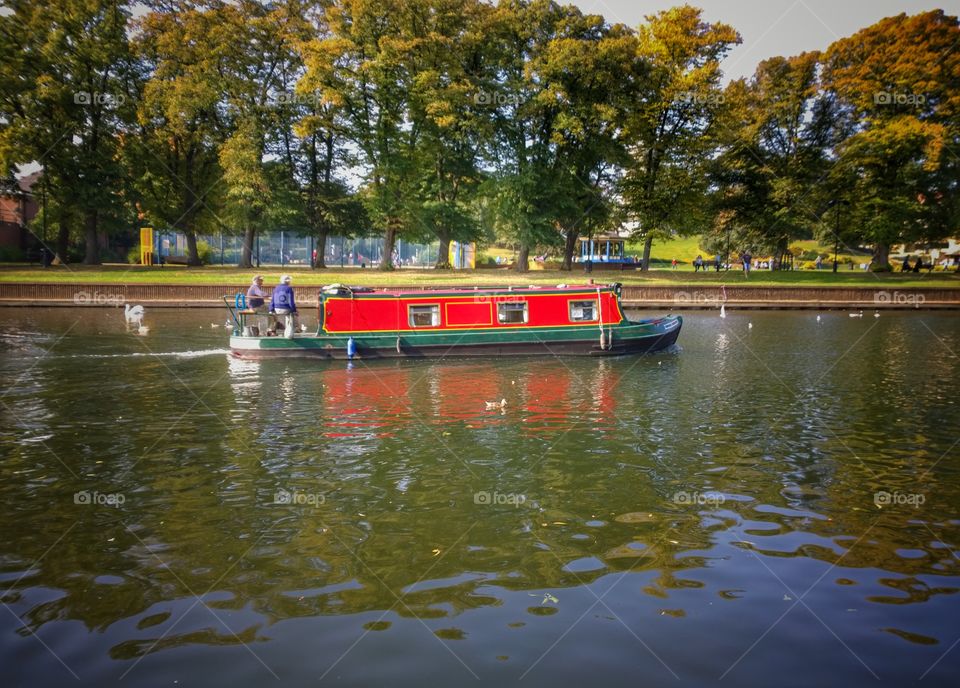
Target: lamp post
[[726, 259], [836, 232]]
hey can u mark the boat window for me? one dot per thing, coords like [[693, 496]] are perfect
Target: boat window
[[517, 312], [583, 310], [423, 316]]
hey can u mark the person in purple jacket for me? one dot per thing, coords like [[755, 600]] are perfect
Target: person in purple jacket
[[282, 303]]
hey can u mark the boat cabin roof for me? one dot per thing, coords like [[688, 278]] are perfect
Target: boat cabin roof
[[360, 292]]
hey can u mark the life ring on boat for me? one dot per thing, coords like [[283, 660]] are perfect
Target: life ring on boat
[[240, 301]]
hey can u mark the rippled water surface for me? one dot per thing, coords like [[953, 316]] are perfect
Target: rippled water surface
[[773, 505]]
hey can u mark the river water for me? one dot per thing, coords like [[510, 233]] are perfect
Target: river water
[[772, 503]]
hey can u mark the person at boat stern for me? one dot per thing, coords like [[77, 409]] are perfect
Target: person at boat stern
[[282, 303], [256, 301]]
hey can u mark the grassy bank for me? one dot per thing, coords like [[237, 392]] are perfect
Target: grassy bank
[[128, 274]]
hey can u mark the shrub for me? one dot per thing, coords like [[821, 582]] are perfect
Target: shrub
[[11, 254], [133, 255], [205, 252]]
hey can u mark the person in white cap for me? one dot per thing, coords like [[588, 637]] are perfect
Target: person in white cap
[[282, 303]]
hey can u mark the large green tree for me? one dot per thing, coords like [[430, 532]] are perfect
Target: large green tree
[[67, 80], [897, 84], [776, 131], [671, 123], [181, 127]]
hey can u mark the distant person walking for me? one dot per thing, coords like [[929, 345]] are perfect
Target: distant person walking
[[674, 263], [818, 262], [698, 263], [747, 261], [906, 265], [717, 260]]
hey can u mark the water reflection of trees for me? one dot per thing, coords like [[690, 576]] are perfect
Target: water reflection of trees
[[399, 451]]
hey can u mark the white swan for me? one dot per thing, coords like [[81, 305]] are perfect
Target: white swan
[[133, 314], [723, 311]]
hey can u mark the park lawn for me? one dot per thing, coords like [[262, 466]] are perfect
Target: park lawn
[[682, 276]]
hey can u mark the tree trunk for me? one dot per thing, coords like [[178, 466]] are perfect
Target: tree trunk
[[571, 243], [389, 239], [246, 251], [523, 258], [647, 244], [91, 239], [193, 257], [881, 257], [443, 257], [63, 240], [321, 249]]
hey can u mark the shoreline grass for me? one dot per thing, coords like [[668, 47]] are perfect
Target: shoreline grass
[[178, 275]]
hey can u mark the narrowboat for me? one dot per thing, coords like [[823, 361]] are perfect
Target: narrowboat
[[364, 323]]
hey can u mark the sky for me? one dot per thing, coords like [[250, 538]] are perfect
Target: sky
[[773, 27]]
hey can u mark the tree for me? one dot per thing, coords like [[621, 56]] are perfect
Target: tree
[[359, 68], [554, 131], [776, 132], [248, 193], [670, 127], [181, 129], [896, 85], [70, 77], [446, 67]]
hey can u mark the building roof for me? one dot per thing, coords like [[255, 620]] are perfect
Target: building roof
[[27, 181]]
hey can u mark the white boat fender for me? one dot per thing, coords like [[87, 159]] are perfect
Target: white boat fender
[[398, 345], [351, 348]]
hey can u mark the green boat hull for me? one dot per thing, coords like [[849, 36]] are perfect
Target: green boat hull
[[617, 340]]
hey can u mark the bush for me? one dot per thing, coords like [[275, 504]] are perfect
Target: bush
[[11, 254], [133, 255], [205, 252]]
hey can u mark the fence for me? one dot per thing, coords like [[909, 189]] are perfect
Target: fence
[[288, 248]]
